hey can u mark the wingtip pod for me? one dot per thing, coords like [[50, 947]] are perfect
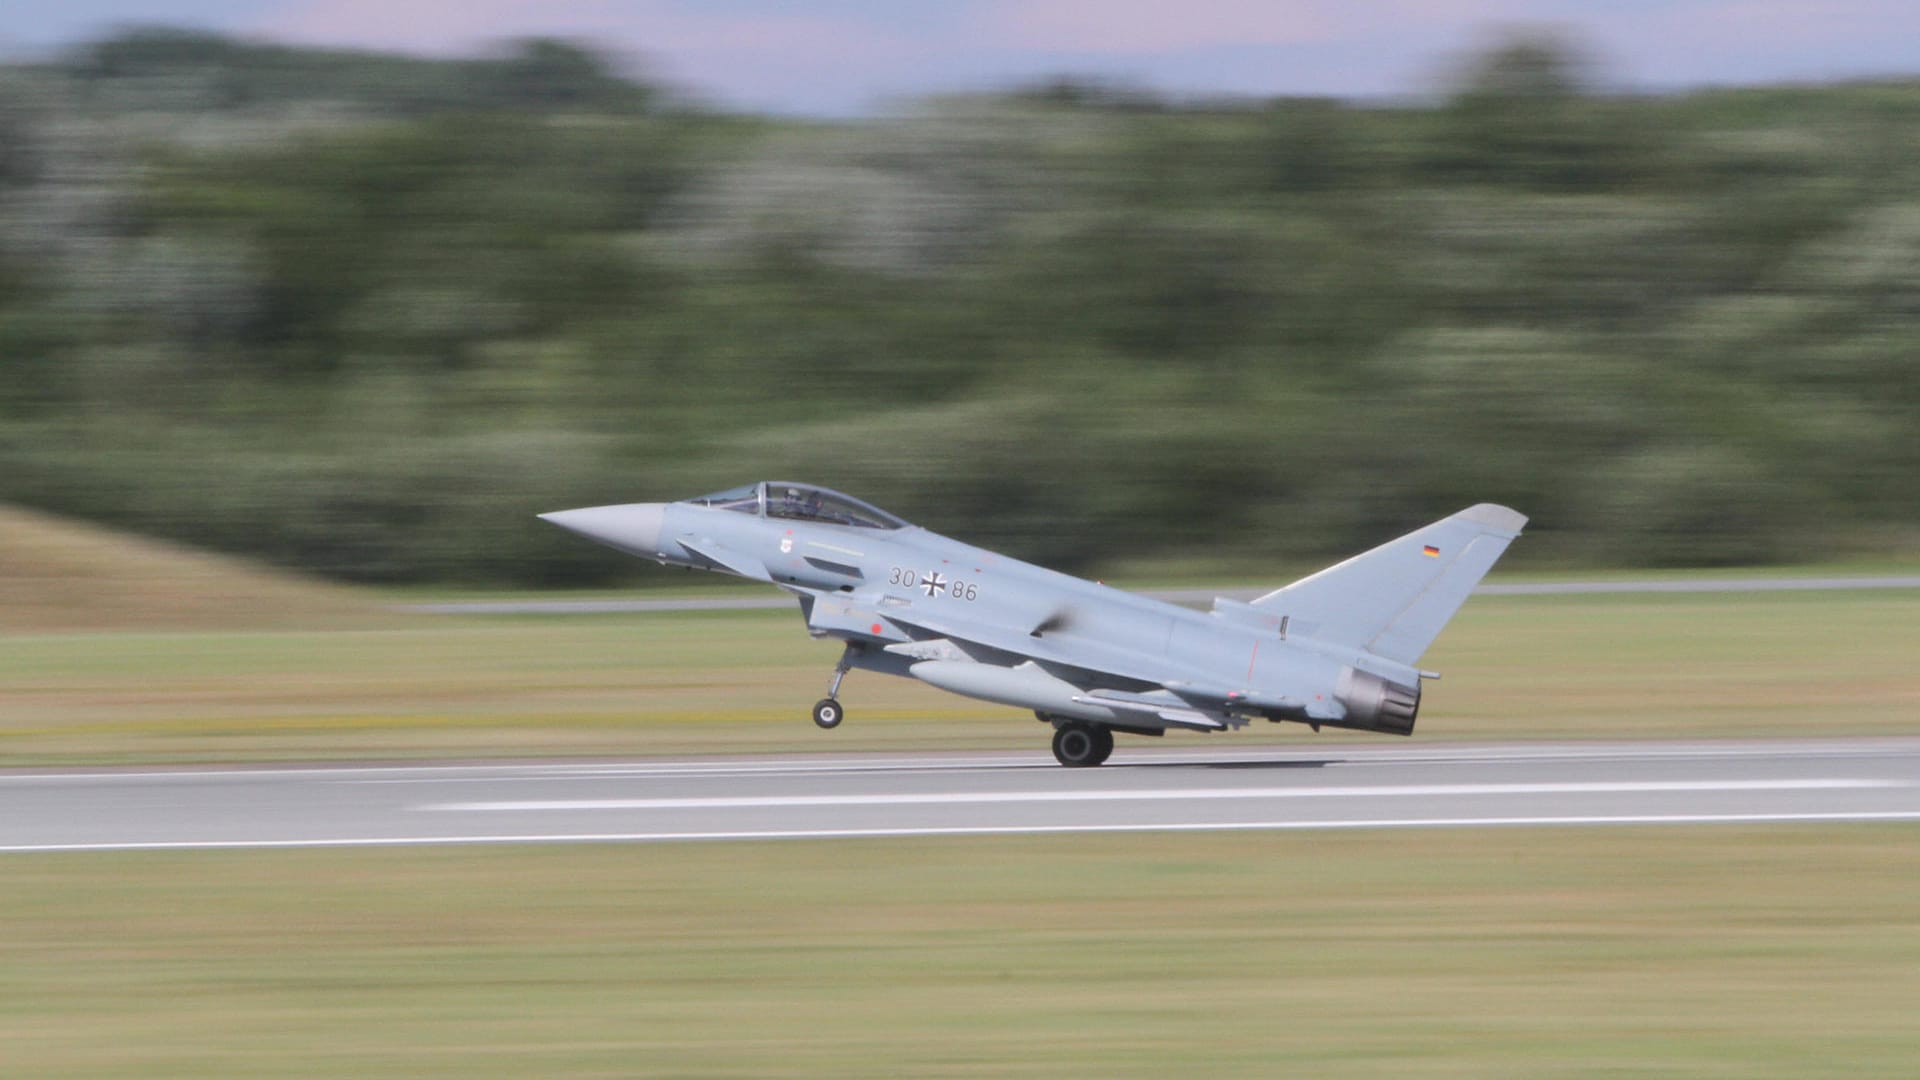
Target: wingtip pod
[[1494, 516]]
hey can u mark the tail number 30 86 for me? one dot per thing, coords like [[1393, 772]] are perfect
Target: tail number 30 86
[[934, 584]]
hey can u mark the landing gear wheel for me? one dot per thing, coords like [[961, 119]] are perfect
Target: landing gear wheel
[[827, 713], [1081, 745], [1105, 749]]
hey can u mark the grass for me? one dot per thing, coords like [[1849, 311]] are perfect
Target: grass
[[1705, 665], [1203, 571], [116, 649], [61, 575], [1785, 952]]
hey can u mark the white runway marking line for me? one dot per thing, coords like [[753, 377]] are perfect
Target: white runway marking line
[[1154, 794], [1040, 762], [981, 830]]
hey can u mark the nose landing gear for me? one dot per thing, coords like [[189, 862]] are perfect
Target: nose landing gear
[[827, 711]]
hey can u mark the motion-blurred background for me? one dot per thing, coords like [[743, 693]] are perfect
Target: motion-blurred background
[[364, 312], [1207, 292]]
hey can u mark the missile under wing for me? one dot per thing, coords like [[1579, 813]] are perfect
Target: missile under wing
[[1339, 648]]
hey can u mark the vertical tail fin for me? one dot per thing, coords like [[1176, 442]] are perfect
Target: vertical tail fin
[[1394, 599]]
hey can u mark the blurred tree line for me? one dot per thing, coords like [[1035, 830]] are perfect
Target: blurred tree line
[[366, 314]]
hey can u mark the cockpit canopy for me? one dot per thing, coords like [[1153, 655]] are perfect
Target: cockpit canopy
[[800, 502]]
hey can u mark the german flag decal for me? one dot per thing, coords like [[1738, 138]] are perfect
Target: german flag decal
[[1430, 551]]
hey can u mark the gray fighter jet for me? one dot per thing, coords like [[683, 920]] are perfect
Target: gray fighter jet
[[1336, 649]]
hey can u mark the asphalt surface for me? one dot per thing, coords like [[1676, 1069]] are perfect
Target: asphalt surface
[[1146, 787], [1196, 597]]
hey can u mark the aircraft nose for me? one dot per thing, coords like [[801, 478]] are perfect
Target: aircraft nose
[[632, 527]]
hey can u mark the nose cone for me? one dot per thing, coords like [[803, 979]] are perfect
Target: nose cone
[[633, 527]]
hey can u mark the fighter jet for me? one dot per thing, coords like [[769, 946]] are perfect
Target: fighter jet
[[1338, 649]]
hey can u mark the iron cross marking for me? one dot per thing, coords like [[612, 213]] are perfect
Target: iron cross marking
[[933, 583]]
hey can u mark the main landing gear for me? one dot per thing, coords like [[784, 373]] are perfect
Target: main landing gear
[[1077, 745]]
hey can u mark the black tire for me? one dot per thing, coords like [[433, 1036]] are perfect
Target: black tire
[[1103, 747], [1079, 746], [827, 713]]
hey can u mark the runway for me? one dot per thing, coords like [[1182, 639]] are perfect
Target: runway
[[1147, 787]]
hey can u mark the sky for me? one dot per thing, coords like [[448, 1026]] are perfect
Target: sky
[[849, 57]]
